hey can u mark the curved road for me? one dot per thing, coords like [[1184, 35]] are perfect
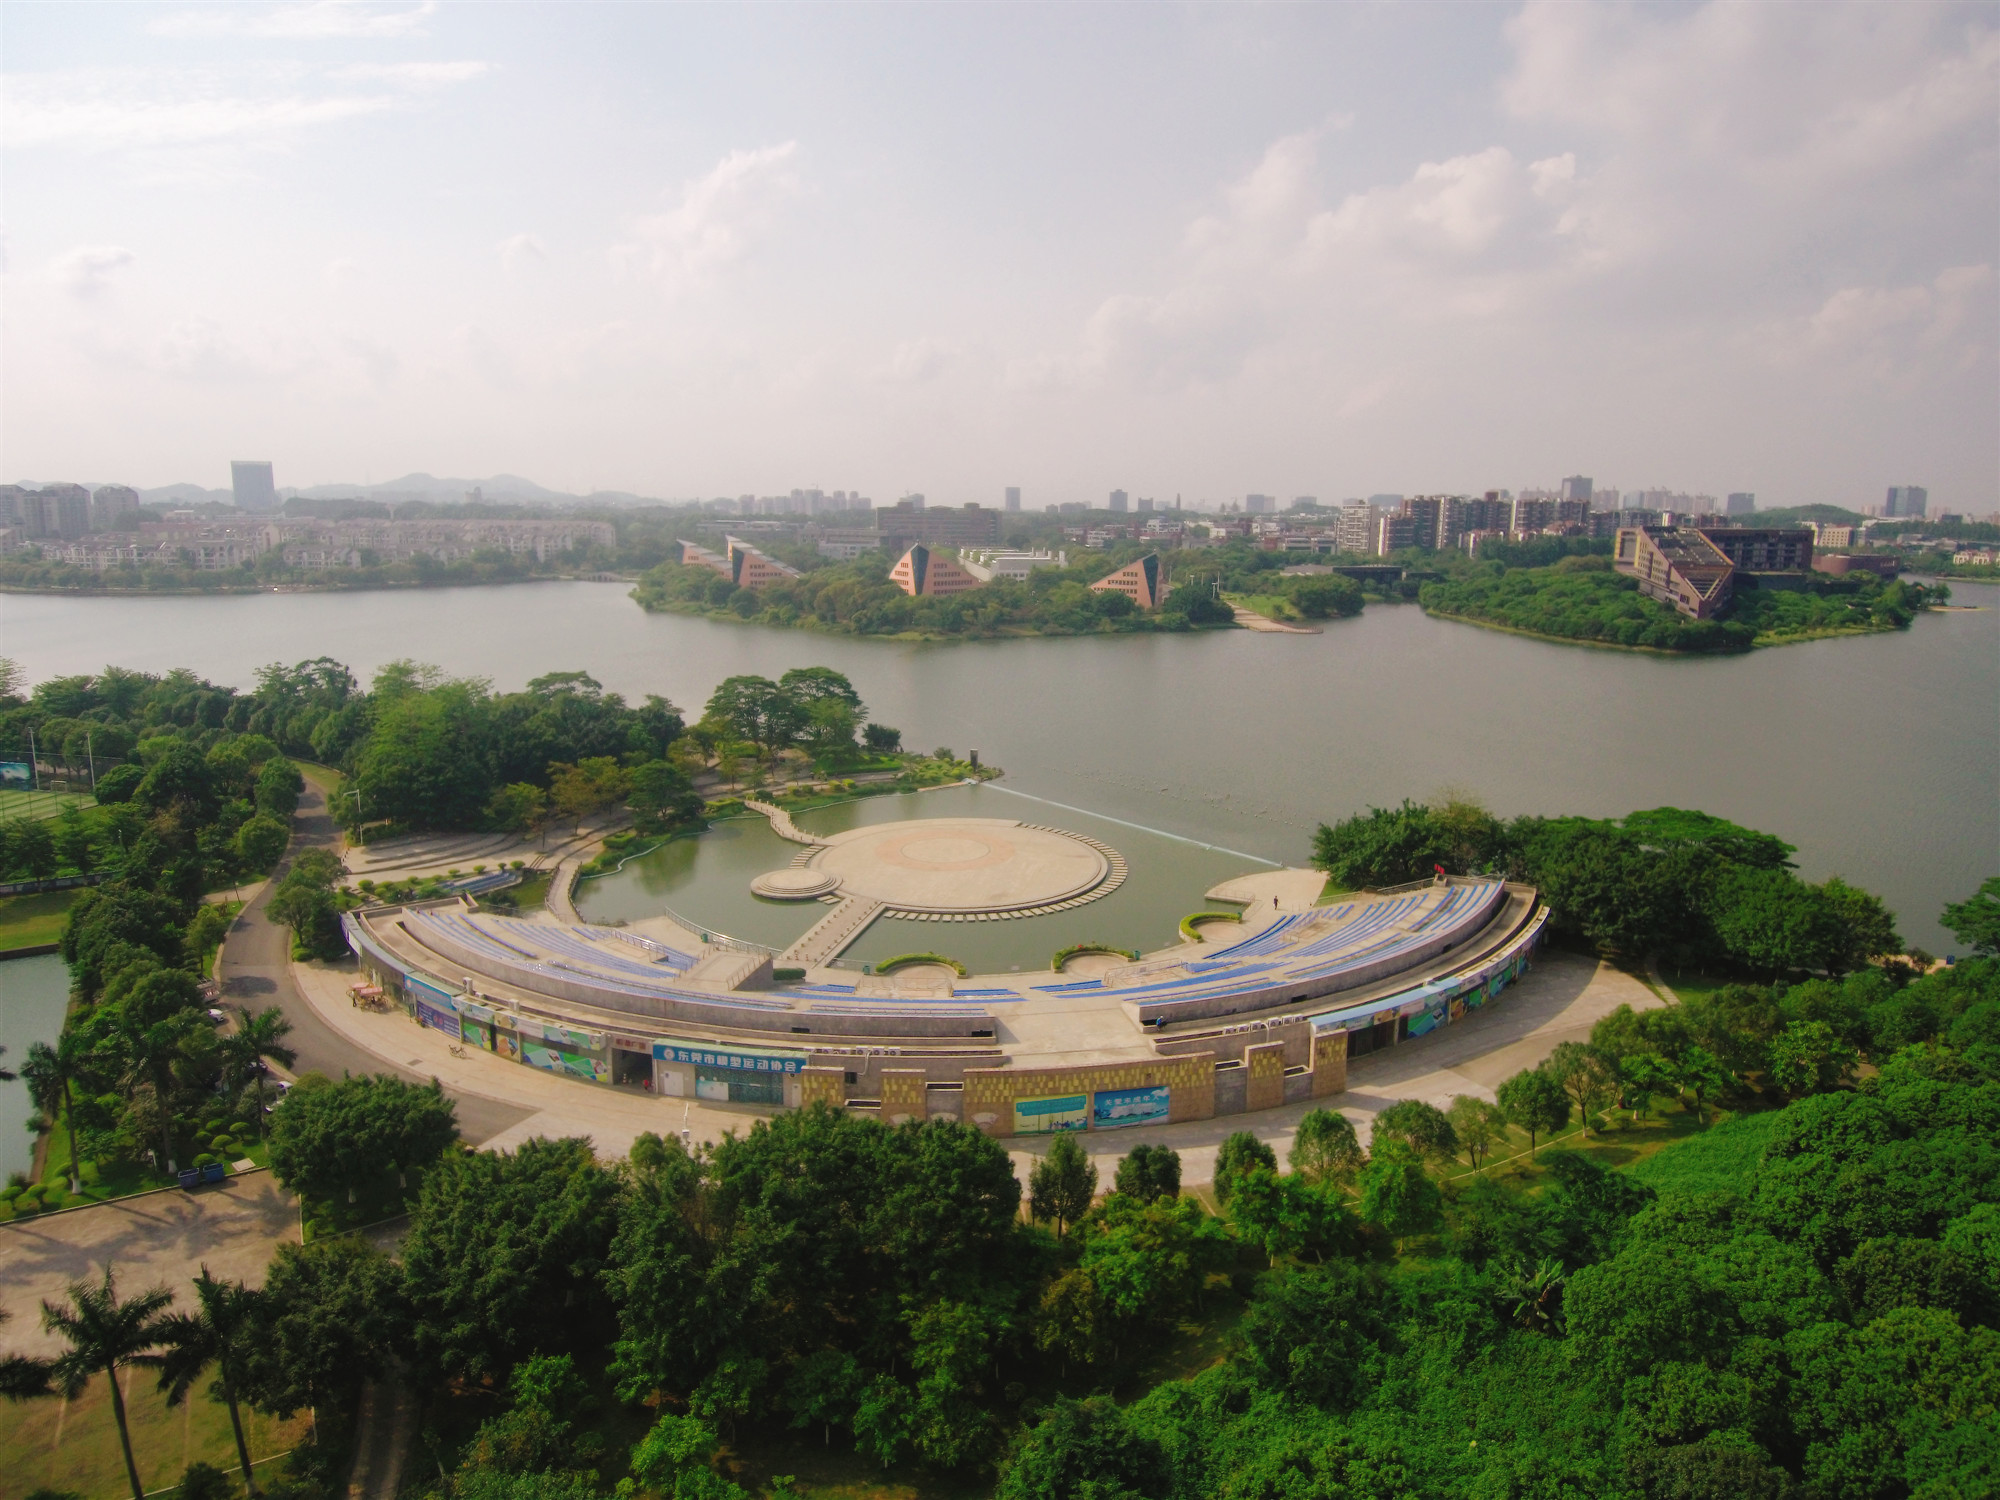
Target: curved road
[[256, 972]]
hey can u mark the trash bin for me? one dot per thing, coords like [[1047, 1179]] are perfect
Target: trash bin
[[215, 1171], [190, 1176]]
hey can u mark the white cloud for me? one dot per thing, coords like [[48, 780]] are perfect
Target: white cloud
[[1902, 332], [143, 108], [317, 20], [86, 271], [519, 250], [139, 108], [413, 74], [719, 219], [916, 362]]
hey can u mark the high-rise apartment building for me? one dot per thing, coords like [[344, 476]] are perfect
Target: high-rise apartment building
[[1576, 487], [1393, 533], [1120, 500], [1354, 528], [1532, 514], [1906, 500], [1145, 505], [969, 526], [114, 507], [1259, 505], [1013, 500], [1426, 511], [1740, 503], [255, 486]]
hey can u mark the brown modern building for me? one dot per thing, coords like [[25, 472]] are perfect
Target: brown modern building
[[920, 571], [1838, 563], [743, 565], [1138, 581], [1677, 566]]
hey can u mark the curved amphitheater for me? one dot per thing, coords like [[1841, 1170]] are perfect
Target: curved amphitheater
[[1247, 1016]]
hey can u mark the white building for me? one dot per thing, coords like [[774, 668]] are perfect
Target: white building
[[991, 563]]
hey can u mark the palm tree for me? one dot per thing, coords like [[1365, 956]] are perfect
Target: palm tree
[[22, 1378], [216, 1334], [260, 1036], [49, 1071], [105, 1334]]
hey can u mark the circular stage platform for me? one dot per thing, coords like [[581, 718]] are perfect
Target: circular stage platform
[[958, 866]]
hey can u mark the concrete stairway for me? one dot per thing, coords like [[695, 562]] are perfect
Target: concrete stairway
[[831, 933]]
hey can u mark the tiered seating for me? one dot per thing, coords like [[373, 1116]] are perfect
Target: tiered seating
[[1310, 953]]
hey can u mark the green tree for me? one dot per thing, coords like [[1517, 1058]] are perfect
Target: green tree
[[31, 848], [1240, 1152], [506, 1255], [219, 1333], [1587, 1075], [1975, 921], [259, 1038], [1325, 1148], [1085, 1450], [1700, 1077], [328, 1318], [1397, 1194], [1806, 1058], [1418, 1124], [328, 1140], [1288, 1216], [1149, 1172], [279, 787], [1062, 1184], [1478, 1124], [73, 840], [1534, 1102], [662, 797], [590, 786], [675, 1459], [518, 807], [758, 710], [261, 842], [51, 1073], [21, 1377], [304, 902], [104, 1335]]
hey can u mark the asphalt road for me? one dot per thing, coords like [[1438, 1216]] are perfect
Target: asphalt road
[[256, 972]]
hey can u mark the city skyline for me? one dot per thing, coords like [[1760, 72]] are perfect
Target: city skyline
[[1344, 250]]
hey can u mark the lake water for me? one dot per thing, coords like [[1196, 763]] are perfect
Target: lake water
[[34, 996], [1876, 756]]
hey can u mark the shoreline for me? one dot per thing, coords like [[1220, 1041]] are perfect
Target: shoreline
[[1760, 643], [238, 590]]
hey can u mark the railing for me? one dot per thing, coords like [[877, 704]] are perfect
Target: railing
[[719, 939], [54, 883]]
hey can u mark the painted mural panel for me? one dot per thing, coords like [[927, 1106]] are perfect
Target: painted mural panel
[[1113, 1109], [570, 1064], [1047, 1116]]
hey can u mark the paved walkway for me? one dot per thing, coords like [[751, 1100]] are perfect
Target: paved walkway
[[1271, 891], [781, 822], [1249, 619], [255, 971], [234, 1228]]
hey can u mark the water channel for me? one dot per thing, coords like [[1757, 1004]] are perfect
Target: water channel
[[1876, 756]]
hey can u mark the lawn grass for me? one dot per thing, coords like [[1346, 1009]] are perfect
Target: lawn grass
[[1616, 1141], [1270, 606], [105, 1181], [73, 1445], [1693, 986], [33, 921]]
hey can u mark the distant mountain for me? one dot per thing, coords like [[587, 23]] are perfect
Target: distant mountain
[[496, 487], [185, 494]]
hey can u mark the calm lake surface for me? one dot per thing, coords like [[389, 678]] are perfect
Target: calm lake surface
[[34, 996], [1876, 756]]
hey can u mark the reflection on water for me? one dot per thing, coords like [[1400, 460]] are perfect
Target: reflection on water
[[707, 880], [34, 997]]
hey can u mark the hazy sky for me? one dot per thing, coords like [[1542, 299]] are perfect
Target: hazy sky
[[1299, 250]]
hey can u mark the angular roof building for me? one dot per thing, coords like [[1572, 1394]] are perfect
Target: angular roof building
[[1678, 566], [1139, 581], [920, 571]]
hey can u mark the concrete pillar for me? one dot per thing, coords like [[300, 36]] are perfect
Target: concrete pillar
[[1329, 1064], [822, 1086], [1265, 1064], [903, 1096]]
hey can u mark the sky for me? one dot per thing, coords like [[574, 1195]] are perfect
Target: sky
[[1179, 250]]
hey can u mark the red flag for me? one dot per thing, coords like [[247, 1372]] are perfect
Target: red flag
[[1438, 868]]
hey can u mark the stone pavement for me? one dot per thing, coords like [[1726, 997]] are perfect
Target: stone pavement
[[233, 1227]]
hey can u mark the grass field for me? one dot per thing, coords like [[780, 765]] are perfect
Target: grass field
[[31, 921], [40, 804], [116, 1180], [73, 1445]]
